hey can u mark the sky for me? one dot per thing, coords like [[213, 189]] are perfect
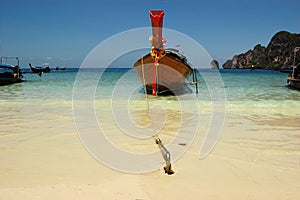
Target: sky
[[64, 32]]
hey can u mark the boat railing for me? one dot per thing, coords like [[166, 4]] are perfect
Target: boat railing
[[15, 68], [5, 58]]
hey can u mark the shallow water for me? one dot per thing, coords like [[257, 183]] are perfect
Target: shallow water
[[40, 102], [38, 134]]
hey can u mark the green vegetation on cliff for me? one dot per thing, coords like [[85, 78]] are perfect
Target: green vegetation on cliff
[[278, 55]]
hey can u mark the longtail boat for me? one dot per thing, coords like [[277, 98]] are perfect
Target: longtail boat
[[39, 70], [10, 73], [163, 71]]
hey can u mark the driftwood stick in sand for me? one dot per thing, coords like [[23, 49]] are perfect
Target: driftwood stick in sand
[[166, 155]]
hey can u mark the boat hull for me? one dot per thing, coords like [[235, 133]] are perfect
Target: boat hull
[[171, 73], [39, 70], [6, 80], [294, 83]]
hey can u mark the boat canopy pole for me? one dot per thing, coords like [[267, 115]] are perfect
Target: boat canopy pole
[[195, 80]]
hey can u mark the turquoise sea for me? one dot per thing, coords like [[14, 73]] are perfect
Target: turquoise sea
[[38, 102], [249, 93], [243, 87], [257, 92]]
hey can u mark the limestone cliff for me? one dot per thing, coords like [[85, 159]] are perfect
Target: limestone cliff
[[278, 55]]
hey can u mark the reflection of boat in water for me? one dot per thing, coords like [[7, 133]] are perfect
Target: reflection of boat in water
[[39, 70], [293, 79], [10, 73], [162, 71]]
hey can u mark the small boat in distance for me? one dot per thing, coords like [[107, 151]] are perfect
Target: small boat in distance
[[58, 68], [10, 73], [164, 70], [39, 70]]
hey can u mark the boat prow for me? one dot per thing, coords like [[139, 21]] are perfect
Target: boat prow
[[172, 73], [162, 71]]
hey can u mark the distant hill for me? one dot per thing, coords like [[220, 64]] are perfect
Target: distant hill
[[278, 55]]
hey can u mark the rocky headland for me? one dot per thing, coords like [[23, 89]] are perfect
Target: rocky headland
[[278, 55]]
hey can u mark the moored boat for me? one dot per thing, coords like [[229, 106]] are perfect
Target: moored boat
[[39, 70], [10, 73], [294, 83], [163, 71], [293, 79]]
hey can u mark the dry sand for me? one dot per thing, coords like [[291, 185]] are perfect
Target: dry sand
[[256, 158]]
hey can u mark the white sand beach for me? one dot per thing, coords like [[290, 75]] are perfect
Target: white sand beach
[[257, 157]]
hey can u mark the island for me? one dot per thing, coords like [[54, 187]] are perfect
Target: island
[[278, 55]]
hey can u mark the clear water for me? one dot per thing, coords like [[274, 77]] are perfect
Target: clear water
[[242, 87], [40, 103]]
